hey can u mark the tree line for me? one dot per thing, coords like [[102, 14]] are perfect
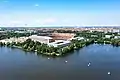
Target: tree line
[[41, 48]]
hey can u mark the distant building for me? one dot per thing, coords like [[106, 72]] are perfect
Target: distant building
[[2, 31], [77, 38], [42, 39], [20, 32], [31, 31], [94, 35], [20, 40], [116, 31], [108, 36], [117, 37]]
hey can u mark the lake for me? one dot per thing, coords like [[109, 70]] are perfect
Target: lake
[[16, 64]]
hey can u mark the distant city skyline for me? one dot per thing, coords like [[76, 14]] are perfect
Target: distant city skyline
[[40, 13]]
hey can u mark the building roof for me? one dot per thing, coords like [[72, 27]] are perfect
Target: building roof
[[58, 43], [35, 36]]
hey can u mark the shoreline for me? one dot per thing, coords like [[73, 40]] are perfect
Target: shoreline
[[53, 54]]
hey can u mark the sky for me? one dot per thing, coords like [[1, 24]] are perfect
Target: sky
[[40, 13]]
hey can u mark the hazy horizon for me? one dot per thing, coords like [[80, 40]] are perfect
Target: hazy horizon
[[40, 13]]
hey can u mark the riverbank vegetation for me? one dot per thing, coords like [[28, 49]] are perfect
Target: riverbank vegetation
[[8, 35], [100, 37], [44, 49]]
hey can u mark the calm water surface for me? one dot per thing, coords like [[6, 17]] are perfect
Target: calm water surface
[[16, 64]]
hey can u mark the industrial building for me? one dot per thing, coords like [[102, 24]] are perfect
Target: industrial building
[[62, 36], [60, 43], [42, 39]]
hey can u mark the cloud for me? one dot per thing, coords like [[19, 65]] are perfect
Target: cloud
[[15, 22], [48, 21], [5, 1], [36, 5]]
